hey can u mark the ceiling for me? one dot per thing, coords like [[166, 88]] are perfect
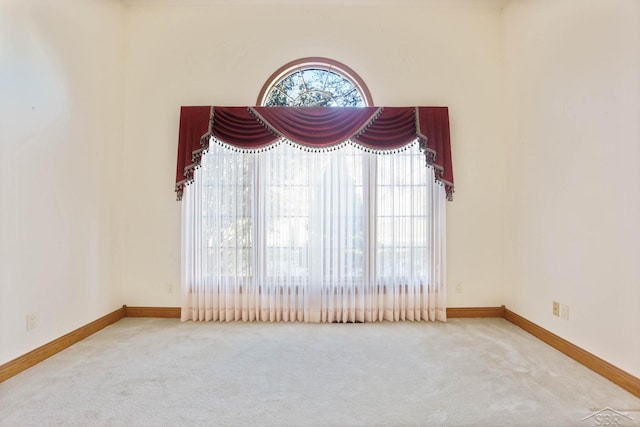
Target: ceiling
[[492, 4]]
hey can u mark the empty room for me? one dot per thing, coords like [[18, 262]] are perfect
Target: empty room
[[319, 212]]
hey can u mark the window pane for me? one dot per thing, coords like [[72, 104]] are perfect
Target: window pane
[[314, 79], [315, 87]]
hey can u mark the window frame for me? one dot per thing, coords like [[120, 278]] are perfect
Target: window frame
[[314, 63]]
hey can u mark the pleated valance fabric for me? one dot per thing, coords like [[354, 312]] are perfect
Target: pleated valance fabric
[[377, 129]]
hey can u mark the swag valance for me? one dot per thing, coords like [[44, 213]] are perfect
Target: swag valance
[[378, 129]]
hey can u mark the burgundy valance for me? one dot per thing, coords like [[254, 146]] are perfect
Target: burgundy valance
[[379, 129]]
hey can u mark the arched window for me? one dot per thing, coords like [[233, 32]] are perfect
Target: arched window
[[314, 81], [302, 230]]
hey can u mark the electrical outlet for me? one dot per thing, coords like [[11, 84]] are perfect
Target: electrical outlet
[[32, 321], [170, 288], [556, 308], [564, 311], [458, 288]]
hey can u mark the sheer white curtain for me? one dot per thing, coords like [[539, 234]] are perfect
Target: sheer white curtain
[[292, 235]]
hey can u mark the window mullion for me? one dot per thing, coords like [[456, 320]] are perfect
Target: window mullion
[[257, 217], [370, 196]]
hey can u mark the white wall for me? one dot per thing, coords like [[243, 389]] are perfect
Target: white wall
[[549, 212], [573, 201], [61, 85], [408, 53]]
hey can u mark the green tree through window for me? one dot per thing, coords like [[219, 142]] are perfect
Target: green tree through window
[[315, 82]]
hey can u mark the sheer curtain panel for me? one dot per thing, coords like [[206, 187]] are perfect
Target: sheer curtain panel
[[304, 230]]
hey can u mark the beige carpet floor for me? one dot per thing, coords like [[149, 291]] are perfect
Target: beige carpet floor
[[160, 372]]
